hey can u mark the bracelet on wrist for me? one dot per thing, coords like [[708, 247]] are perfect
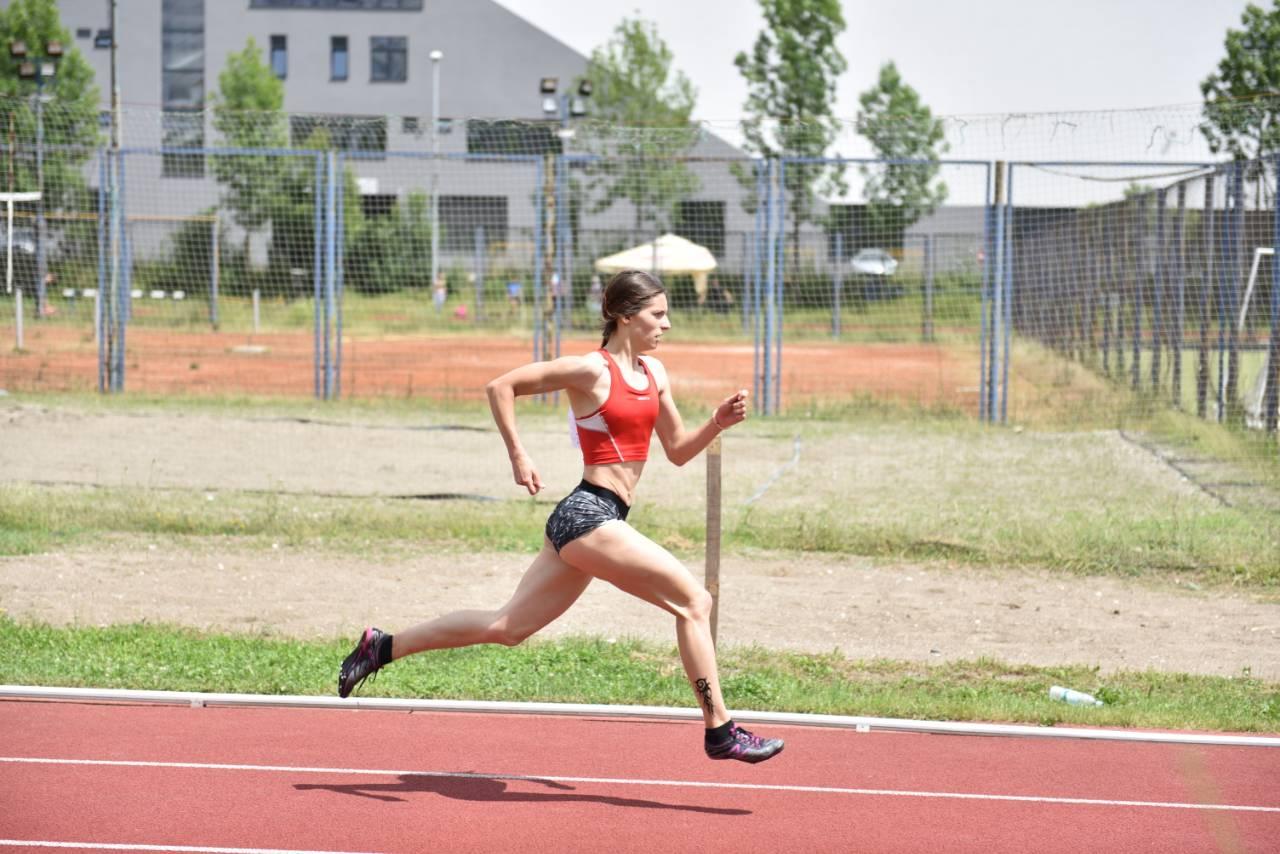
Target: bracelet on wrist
[[715, 421]]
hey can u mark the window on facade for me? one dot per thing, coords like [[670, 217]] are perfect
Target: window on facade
[[280, 56], [511, 137], [183, 129], [389, 58], [372, 5], [344, 133], [460, 216], [338, 58], [375, 205], [409, 124], [182, 85], [703, 223]]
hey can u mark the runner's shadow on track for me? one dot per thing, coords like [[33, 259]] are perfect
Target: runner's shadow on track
[[478, 788]]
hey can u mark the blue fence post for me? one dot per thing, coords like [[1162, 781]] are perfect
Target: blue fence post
[[758, 255], [780, 286], [1158, 330], [539, 229], [1006, 322], [101, 303], [1138, 237], [330, 270], [1206, 285], [988, 262], [1180, 304], [317, 277], [124, 295], [769, 305], [339, 281], [1271, 404]]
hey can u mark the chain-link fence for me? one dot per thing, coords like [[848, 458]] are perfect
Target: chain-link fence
[[346, 257]]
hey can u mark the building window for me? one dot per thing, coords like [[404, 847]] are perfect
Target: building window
[[703, 223], [377, 205], [366, 134], [182, 86], [338, 58], [359, 5], [409, 124], [280, 56], [84, 32], [389, 58], [460, 216], [504, 136], [183, 129]]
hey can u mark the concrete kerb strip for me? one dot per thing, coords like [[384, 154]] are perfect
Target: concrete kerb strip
[[856, 723]]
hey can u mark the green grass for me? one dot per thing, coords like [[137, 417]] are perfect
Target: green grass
[[586, 670]]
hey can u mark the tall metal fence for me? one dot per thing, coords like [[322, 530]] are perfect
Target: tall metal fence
[[342, 266]]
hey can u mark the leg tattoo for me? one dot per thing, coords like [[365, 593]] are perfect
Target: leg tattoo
[[704, 688]]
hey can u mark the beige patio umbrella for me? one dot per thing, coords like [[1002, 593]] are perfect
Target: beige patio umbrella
[[668, 254]]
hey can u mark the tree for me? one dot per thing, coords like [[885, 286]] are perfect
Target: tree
[[643, 106], [791, 76], [1237, 120], [248, 110], [899, 127], [68, 115]]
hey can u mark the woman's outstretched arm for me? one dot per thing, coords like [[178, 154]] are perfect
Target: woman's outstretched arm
[[682, 445], [568, 372]]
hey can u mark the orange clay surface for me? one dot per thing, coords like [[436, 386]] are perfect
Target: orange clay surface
[[456, 367]]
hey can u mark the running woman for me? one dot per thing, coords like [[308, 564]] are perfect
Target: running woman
[[619, 397]]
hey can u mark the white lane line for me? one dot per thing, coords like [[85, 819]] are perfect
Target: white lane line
[[624, 781], [128, 846]]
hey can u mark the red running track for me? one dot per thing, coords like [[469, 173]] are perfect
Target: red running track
[[139, 777]]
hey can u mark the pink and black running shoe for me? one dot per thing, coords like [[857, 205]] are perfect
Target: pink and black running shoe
[[745, 747], [361, 663]]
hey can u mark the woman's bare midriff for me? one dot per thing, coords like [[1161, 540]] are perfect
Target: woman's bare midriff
[[621, 478]]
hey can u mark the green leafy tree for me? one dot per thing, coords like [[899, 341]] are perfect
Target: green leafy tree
[[643, 107], [899, 127], [1237, 120], [69, 115], [248, 111], [791, 74]]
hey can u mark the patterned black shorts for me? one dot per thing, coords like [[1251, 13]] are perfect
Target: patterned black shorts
[[582, 511]]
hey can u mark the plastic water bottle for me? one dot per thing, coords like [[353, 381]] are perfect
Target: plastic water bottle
[[1075, 698]]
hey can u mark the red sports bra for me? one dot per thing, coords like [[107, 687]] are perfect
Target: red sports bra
[[619, 430]]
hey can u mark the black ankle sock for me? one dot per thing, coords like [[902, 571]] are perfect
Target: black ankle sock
[[384, 650], [719, 734]]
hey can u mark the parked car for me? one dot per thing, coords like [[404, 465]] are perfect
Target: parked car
[[874, 262]]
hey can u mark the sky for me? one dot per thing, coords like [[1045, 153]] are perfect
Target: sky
[[984, 58]]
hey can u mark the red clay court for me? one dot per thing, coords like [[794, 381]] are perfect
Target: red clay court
[[145, 777]]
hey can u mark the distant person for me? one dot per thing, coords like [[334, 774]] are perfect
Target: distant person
[[439, 291], [619, 397], [515, 294], [719, 298]]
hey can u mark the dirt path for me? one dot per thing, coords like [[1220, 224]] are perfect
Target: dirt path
[[864, 608]]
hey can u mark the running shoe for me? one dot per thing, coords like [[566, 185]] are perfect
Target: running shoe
[[361, 663], [745, 747]]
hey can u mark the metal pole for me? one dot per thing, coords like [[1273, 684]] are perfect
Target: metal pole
[[1006, 321], [213, 276], [1180, 309], [111, 305], [436, 56], [770, 305], [1235, 247], [837, 285], [41, 257], [330, 268], [339, 281], [1271, 399], [1158, 330], [317, 275], [997, 287]]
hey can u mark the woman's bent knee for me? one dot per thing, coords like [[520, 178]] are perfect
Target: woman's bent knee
[[699, 606], [508, 634]]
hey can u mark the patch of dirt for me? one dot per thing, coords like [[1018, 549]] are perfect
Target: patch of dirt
[[864, 608]]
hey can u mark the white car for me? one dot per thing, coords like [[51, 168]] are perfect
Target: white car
[[874, 262]]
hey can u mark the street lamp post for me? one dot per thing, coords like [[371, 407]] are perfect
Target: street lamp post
[[436, 56], [38, 68]]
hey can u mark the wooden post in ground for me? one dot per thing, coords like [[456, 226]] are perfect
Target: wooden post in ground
[[712, 572]]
